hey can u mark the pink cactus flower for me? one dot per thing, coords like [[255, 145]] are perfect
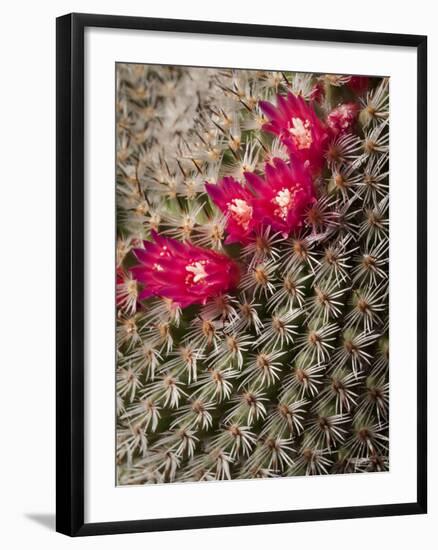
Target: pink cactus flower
[[235, 201], [182, 272], [358, 84], [342, 118], [283, 196], [299, 128]]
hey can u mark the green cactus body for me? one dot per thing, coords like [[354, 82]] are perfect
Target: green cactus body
[[285, 372]]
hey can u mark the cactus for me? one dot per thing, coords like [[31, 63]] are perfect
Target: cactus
[[252, 274]]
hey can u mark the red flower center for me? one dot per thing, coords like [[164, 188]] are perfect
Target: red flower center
[[196, 273], [241, 212], [301, 133], [285, 200]]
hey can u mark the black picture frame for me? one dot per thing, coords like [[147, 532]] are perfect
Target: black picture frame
[[70, 273]]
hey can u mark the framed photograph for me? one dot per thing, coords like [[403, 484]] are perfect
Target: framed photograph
[[241, 274]]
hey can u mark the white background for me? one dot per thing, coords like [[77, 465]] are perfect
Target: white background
[[27, 227]]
